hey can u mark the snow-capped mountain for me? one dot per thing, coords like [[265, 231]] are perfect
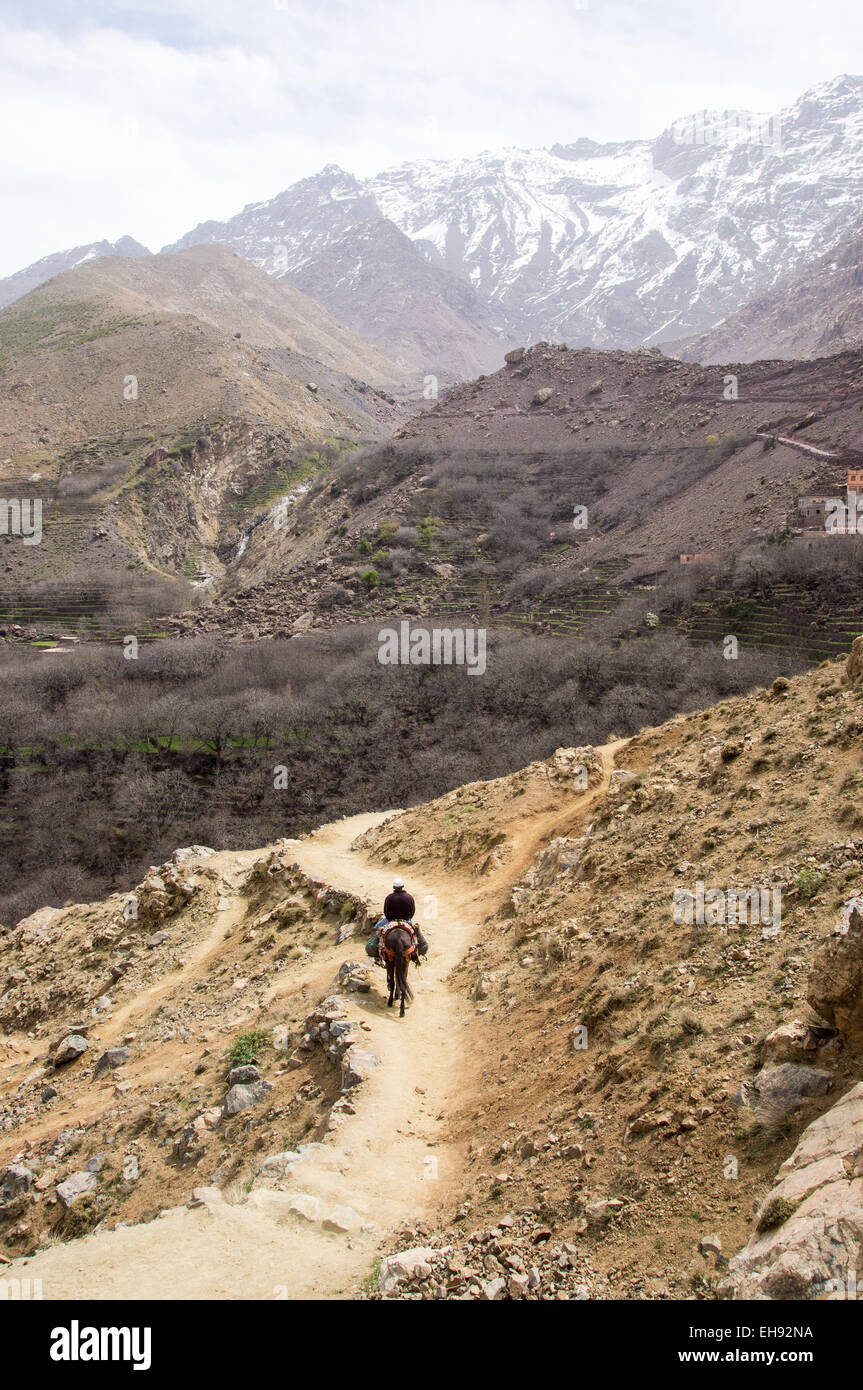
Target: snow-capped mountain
[[645, 241], [328, 235], [633, 242], [651, 241], [23, 281]]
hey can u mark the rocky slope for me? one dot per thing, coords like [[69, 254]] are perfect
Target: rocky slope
[[635, 1083], [474, 503], [328, 236], [201, 333], [150, 398], [601, 1090]]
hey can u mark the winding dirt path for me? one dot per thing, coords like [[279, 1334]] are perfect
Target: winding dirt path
[[385, 1164]]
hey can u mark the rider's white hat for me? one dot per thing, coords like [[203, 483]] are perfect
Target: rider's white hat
[[398, 883]]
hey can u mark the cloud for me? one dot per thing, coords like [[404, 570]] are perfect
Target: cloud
[[149, 118]]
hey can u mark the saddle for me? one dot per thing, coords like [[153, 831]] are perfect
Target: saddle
[[390, 955]]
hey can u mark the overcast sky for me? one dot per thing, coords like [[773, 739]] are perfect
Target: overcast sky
[[148, 118]]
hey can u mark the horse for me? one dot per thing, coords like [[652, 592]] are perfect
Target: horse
[[397, 947]]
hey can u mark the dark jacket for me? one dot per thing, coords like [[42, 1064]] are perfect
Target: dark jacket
[[399, 906]]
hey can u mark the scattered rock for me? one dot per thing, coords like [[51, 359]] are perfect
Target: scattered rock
[[16, 1179], [241, 1097], [74, 1187], [110, 1060], [73, 1046]]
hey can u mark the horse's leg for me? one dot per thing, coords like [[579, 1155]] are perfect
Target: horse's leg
[[402, 968], [391, 981]]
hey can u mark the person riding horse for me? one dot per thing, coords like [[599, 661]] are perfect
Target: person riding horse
[[396, 940], [399, 906]]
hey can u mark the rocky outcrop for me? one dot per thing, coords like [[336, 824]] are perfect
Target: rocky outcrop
[[353, 913], [836, 983], [854, 661], [809, 1237], [797, 1041], [341, 1036], [163, 892], [778, 1092]]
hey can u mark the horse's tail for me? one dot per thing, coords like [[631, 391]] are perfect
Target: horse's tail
[[404, 988]]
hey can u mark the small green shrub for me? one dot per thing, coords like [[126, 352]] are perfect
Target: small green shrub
[[247, 1048], [775, 1212]]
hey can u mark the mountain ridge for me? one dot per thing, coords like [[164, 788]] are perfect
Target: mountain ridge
[[611, 244]]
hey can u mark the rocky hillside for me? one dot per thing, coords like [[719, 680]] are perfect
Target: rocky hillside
[[610, 1073], [163, 404], [548, 492], [328, 236], [636, 1086], [245, 343]]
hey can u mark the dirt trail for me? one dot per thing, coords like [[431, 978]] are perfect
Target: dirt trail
[[386, 1163]]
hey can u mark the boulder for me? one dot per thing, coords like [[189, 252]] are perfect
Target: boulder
[[244, 1076], [598, 1213], [563, 855], [163, 892], [16, 1179], [241, 1097], [75, 1186], [796, 1041], [407, 1264], [38, 924], [514, 356], [71, 1047], [309, 1207], [357, 1066], [780, 1091], [492, 1290], [64, 1033], [835, 988], [114, 1057], [354, 976]]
